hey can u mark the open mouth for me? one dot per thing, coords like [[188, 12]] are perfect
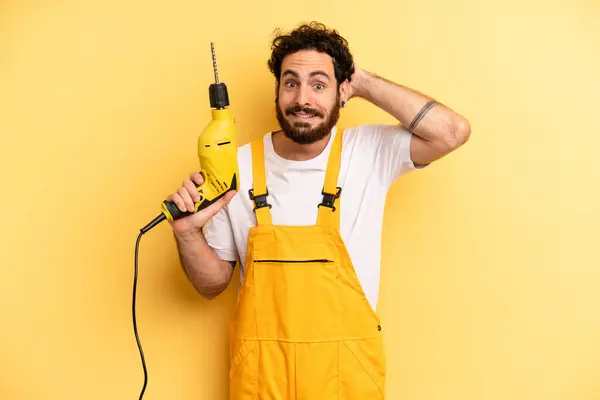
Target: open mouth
[[303, 115]]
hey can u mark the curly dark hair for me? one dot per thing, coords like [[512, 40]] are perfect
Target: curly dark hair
[[313, 36]]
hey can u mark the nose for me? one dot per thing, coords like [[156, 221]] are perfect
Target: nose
[[303, 95]]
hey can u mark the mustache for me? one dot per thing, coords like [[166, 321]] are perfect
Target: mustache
[[310, 111]]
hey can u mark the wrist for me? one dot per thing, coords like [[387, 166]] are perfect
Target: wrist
[[359, 83], [188, 237]]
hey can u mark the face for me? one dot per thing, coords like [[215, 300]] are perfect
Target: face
[[308, 99]]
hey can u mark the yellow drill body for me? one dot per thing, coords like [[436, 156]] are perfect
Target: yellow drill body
[[217, 153]]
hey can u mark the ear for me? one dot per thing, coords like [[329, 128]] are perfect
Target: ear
[[344, 92]]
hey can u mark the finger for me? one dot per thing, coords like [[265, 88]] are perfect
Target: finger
[[189, 185], [197, 178], [229, 195], [203, 216], [187, 200], [222, 202], [175, 198], [214, 208]]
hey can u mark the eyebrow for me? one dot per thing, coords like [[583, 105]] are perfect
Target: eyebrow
[[314, 73]]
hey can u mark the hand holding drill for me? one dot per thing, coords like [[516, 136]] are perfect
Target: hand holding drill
[[185, 198]]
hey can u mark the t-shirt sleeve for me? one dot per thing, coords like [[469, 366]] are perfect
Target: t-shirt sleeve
[[391, 144], [218, 233]]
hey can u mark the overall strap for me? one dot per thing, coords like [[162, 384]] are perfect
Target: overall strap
[[259, 192], [329, 213]]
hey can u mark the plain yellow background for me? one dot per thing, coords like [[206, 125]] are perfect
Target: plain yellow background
[[490, 256]]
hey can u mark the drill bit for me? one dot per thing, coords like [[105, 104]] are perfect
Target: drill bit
[[214, 58]]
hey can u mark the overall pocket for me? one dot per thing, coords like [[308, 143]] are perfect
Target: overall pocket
[[243, 371], [297, 299], [362, 369]]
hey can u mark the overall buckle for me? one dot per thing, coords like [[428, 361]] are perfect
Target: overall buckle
[[329, 199], [260, 200]]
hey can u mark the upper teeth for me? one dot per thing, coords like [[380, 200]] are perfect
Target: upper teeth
[[302, 115]]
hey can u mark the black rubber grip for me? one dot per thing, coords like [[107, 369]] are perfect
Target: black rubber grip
[[176, 213]]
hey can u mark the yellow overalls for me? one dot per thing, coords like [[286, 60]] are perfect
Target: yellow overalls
[[303, 328]]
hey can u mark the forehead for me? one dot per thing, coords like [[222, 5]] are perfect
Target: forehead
[[306, 61]]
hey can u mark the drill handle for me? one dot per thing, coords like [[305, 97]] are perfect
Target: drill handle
[[172, 212]]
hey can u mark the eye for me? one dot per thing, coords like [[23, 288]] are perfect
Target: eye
[[290, 84], [320, 86]]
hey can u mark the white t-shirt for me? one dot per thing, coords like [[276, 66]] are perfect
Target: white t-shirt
[[373, 156]]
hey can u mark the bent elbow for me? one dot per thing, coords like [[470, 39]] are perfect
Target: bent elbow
[[210, 294], [456, 134], [461, 132], [218, 284]]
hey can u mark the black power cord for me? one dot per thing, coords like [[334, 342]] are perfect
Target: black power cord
[[161, 217], [135, 330]]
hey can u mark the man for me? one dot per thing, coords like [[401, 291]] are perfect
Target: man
[[306, 224]]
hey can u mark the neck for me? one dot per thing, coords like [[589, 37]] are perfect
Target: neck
[[290, 150]]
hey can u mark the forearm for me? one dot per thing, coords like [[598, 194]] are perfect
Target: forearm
[[439, 124], [206, 271]]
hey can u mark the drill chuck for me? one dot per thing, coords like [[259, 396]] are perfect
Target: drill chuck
[[217, 92], [219, 98]]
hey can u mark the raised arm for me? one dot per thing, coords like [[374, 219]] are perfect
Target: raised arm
[[438, 129]]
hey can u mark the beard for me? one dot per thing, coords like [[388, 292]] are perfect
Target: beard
[[301, 132]]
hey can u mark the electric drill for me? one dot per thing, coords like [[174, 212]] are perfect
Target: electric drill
[[217, 152]]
